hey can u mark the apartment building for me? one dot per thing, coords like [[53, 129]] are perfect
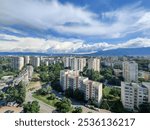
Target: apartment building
[[71, 79], [134, 94], [78, 63], [17, 63], [35, 61], [24, 76], [93, 91], [94, 64], [26, 60], [68, 78], [74, 63], [30, 70], [67, 61], [130, 71]]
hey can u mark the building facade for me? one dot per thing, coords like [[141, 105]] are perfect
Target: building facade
[[70, 79], [74, 63], [17, 63], [94, 64], [130, 71], [24, 76], [35, 61], [134, 94], [26, 60]]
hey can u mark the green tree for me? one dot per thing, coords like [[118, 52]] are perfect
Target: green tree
[[144, 108], [79, 95], [21, 90], [64, 106], [44, 76], [43, 91], [31, 107], [11, 94], [2, 96], [51, 76], [115, 92], [69, 92], [51, 97], [77, 110]]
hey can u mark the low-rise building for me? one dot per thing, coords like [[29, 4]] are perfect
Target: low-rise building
[[145, 75], [117, 72], [24, 76]]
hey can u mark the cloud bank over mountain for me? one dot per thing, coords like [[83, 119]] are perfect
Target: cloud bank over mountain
[[13, 44]]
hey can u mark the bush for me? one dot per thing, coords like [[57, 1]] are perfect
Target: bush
[[31, 107], [51, 97]]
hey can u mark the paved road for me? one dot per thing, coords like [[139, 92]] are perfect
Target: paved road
[[44, 108]]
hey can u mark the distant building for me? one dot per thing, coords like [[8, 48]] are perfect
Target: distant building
[[46, 62], [133, 94], [70, 79], [35, 61], [145, 75], [30, 71], [74, 63], [67, 61], [17, 63], [94, 64], [26, 60], [117, 72], [78, 63], [130, 71]]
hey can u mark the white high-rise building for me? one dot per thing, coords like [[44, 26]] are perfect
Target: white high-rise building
[[74, 63], [64, 78], [30, 71], [91, 89], [67, 61], [94, 64], [81, 63], [78, 63], [133, 94], [130, 71], [35, 61], [17, 63], [26, 60]]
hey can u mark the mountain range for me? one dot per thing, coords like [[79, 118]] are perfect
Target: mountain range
[[144, 51]]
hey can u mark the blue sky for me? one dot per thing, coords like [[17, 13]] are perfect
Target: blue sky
[[57, 26]]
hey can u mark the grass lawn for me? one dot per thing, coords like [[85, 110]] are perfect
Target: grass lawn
[[44, 99], [7, 73]]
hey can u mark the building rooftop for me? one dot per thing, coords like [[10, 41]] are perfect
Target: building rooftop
[[146, 84]]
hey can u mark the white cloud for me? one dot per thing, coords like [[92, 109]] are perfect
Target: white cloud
[[13, 43], [70, 19]]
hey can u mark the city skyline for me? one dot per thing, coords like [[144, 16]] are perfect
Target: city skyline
[[63, 26]]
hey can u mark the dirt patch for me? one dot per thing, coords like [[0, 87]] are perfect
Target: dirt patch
[[34, 86], [12, 109]]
